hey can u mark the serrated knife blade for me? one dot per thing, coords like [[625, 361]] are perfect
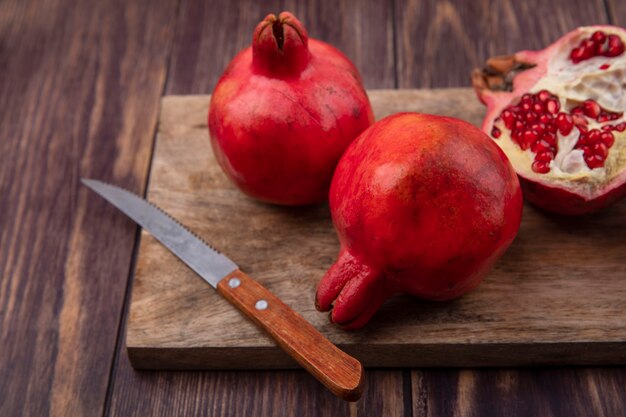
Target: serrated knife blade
[[338, 371], [211, 265]]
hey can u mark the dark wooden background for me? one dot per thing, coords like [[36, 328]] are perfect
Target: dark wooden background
[[80, 83]]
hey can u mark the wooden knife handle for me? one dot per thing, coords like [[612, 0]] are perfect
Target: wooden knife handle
[[338, 371]]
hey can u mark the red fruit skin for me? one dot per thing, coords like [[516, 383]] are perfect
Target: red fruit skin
[[558, 200], [423, 205], [280, 119]]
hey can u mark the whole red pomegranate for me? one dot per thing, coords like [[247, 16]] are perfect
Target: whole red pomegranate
[[558, 114], [284, 111], [422, 205]]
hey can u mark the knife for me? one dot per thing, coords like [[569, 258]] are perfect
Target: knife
[[339, 372]]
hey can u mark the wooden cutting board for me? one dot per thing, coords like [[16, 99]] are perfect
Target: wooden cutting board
[[557, 297]]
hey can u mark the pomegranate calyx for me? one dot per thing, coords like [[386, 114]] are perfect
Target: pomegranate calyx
[[498, 74], [280, 46], [352, 291]]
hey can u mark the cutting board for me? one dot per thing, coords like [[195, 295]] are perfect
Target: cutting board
[[558, 296]]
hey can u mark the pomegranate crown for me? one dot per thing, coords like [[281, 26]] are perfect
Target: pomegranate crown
[[280, 46]]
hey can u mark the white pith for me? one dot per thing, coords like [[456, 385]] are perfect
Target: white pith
[[573, 84]]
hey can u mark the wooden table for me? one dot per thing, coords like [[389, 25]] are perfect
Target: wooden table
[[80, 83]]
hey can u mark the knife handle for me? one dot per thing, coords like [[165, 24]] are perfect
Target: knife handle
[[338, 371]]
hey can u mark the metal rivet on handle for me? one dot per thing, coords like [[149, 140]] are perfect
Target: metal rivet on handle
[[261, 305], [234, 282]]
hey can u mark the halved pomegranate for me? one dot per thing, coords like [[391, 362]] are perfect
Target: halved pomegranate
[[558, 114]]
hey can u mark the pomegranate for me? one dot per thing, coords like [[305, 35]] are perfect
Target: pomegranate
[[422, 205], [558, 114], [284, 111]]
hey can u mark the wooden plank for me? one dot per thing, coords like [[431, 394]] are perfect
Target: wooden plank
[[247, 393], [209, 34], [440, 42], [519, 392], [178, 322], [79, 96], [617, 12]]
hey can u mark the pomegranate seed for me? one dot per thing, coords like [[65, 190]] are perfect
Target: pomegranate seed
[[588, 51], [598, 36], [579, 120], [530, 117], [595, 45], [607, 138], [538, 127], [540, 167], [593, 136], [540, 146], [553, 106], [605, 66], [594, 161], [565, 123], [546, 156], [591, 109], [620, 127], [528, 138], [615, 46], [589, 45], [550, 139], [600, 149], [535, 121], [546, 118], [577, 55], [508, 117], [543, 95]]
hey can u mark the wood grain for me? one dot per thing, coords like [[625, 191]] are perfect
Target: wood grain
[[242, 393], [339, 372], [617, 12], [532, 309], [440, 42], [79, 95], [209, 34], [519, 392]]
